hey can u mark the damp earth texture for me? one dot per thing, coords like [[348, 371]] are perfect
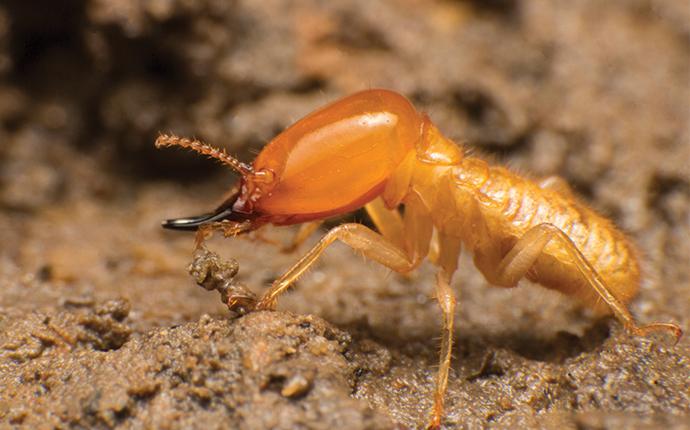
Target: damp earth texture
[[103, 324]]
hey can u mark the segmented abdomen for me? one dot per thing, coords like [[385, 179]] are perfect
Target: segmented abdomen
[[511, 205]]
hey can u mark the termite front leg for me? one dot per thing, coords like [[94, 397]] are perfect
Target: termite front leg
[[228, 228], [524, 254], [356, 236], [384, 219]]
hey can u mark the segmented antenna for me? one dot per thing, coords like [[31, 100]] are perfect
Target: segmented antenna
[[167, 140]]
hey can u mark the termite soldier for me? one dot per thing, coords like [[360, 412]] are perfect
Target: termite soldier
[[373, 149]]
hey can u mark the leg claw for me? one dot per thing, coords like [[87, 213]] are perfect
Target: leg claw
[[266, 304], [668, 328]]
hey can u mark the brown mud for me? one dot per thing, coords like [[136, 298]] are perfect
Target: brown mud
[[101, 326]]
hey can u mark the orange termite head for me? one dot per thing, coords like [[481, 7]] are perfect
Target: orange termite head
[[330, 162]]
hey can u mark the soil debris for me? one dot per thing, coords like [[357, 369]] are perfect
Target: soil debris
[[100, 325]]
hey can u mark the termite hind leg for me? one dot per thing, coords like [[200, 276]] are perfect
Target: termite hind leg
[[357, 237], [524, 254]]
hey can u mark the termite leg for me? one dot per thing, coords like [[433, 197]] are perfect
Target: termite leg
[[434, 248], [418, 227], [229, 229], [448, 260], [203, 233], [388, 222], [417, 230], [305, 230], [446, 301], [525, 252], [356, 236]]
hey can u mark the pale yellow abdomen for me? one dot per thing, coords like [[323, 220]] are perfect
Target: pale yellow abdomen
[[509, 205]]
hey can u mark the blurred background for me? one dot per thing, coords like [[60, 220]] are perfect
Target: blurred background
[[596, 92]]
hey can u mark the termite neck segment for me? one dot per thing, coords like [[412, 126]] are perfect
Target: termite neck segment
[[437, 149]]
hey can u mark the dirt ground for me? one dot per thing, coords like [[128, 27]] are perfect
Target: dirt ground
[[101, 326]]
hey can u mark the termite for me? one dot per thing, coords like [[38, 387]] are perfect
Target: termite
[[374, 150]]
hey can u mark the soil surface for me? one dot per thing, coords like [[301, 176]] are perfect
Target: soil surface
[[102, 326]]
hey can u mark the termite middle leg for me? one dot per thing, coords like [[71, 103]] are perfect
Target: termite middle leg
[[449, 252], [356, 236], [524, 254]]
